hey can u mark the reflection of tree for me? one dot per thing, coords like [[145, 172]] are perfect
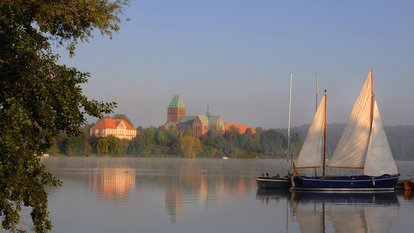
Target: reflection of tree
[[113, 182]]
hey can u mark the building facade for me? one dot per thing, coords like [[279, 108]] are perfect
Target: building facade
[[199, 124], [176, 109], [116, 127]]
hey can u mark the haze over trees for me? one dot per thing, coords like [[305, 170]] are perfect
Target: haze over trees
[[40, 98], [268, 143], [155, 142]]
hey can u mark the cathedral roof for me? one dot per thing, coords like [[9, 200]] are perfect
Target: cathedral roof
[[176, 102], [214, 119], [187, 120], [204, 119]]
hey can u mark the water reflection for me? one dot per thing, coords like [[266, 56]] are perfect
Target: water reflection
[[358, 212], [112, 183], [200, 188], [129, 195], [173, 199], [408, 195], [337, 212]]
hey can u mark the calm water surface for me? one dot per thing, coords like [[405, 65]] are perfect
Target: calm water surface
[[207, 195]]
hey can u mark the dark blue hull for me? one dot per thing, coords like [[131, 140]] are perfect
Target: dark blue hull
[[346, 183]]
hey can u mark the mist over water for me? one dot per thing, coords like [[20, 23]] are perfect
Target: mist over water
[[205, 195]]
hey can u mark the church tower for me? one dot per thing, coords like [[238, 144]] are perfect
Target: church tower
[[176, 109]]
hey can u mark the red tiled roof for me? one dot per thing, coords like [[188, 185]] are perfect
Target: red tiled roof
[[240, 127], [109, 123]]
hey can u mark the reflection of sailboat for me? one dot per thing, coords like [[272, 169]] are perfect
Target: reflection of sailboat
[[275, 194], [363, 145], [381, 198], [279, 195], [365, 213]]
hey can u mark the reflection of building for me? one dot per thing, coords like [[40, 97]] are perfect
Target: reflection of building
[[203, 192], [200, 124], [173, 199], [113, 182], [115, 127]]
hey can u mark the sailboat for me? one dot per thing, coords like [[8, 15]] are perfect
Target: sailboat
[[277, 182], [363, 145]]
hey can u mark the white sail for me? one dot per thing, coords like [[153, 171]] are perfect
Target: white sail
[[379, 157], [310, 155], [351, 149]]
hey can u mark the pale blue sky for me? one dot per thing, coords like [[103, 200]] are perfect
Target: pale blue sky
[[236, 56]]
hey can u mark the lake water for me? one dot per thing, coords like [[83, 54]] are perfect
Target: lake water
[[160, 195]]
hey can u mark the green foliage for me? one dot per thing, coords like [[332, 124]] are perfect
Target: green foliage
[[216, 144], [39, 98], [116, 145], [152, 141], [272, 143], [103, 146], [190, 146], [144, 142], [76, 146], [122, 117]]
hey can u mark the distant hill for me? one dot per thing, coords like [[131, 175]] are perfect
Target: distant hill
[[400, 138]]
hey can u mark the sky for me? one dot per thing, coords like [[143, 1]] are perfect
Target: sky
[[235, 56]]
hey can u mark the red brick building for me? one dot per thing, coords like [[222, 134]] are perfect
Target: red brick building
[[200, 124]]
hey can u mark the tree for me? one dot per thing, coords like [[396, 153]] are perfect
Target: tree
[[272, 143], [190, 146], [122, 117], [143, 143], [76, 146], [116, 145], [40, 97], [103, 146]]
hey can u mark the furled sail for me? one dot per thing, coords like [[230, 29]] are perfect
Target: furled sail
[[352, 147], [379, 157], [310, 155]]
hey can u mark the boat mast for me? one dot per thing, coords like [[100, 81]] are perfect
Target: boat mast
[[372, 97], [316, 102], [324, 138], [289, 155]]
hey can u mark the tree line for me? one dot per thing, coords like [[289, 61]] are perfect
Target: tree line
[[152, 141], [266, 143]]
